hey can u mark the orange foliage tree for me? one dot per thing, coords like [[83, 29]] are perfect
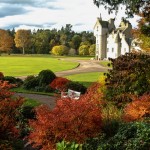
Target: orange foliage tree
[[139, 108], [6, 41], [59, 83], [8, 112], [70, 120]]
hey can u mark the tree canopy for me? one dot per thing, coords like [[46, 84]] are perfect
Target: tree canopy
[[6, 41], [132, 6], [23, 39]]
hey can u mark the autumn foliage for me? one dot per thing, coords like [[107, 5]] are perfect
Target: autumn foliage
[[8, 112], [130, 74], [139, 108], [6, 41], [1, 75], [59, 83], [70, 120]]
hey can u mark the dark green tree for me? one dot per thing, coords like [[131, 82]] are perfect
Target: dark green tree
[[132, 6]]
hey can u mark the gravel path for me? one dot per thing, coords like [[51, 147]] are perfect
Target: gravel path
[[84, 67], [43, 99]]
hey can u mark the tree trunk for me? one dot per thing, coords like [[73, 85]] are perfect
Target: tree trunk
[[23, 51]]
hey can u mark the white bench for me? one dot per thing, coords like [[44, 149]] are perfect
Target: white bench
[[71, 94]]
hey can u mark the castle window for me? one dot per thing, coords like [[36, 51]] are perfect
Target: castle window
[[97, 46], [97, 28], [124, 49], [112, 49], [107, 49]]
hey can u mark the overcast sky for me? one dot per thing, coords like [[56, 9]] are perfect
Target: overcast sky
[[49, 14]]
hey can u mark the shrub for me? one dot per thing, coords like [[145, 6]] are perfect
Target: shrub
[[111, 117], [70, 120], [28, 112], [130, 74], [76, 87], [46, 77], [138, 109], [60, 50], [84, 50], [8, 112], [92, 49], [59, 83], [133, 136], [10, 79], [13, 80], [25, 113], [68, 146], [31, 82], [72, 52], [1, 75]]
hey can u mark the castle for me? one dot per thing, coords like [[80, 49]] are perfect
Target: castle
[[112, 42]]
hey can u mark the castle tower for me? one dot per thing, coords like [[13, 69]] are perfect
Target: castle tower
[[100, 32]]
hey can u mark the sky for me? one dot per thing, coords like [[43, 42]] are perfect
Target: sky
[[50, 14]]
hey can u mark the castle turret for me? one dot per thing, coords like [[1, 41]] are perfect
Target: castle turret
[[100, 32], [111, 25]]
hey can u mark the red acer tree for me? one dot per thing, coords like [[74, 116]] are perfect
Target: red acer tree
[[8, 112], [59, 83], [71, 120]]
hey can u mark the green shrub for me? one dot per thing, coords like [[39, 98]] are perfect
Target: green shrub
[[92, 49], [91, 143], [84, 50], [130, 136], [68, 146], [31, 82], [25, 113], [76, 87], [60, 50], [28, 112], [46, 77], [112, 116], [13, 80]]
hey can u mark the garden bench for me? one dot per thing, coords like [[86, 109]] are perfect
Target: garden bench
[[71, 94]]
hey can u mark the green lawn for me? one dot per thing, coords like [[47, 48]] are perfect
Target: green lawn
[[104, 63], [27, 65], [86, 78], [31, 102]]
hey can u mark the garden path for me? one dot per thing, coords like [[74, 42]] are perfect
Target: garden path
[[85, 66], [43, 99]]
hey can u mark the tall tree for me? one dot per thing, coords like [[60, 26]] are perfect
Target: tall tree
[[6, 41], [41, 41], [76, 40], [23, 39], [132, 6]]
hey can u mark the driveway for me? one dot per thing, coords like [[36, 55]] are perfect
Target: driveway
[[85, 66]]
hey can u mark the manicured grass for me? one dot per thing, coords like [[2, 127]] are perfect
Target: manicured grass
[[31, 102], [104, 63], [21, 90], [27, 65], [86, 78]]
